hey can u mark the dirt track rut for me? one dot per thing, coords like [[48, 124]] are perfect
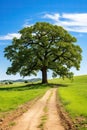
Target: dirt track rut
[[44, 107]]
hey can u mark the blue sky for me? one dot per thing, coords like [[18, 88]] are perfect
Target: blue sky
[[14, 15]]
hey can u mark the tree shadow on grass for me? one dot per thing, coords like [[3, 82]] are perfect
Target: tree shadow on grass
[[53, 85], [31, 86]]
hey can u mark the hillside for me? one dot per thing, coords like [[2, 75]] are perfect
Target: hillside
[[73, 95]]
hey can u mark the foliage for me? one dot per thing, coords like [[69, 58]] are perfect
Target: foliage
[[6, 82], [43, 46], [10, 82], [25, 81]]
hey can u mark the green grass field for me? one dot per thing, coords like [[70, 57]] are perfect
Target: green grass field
[[73, 95], [12, 96]]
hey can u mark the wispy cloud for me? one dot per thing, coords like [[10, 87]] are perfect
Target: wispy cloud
[[54, 17], [27, 23], [10, 36], [76, 22]]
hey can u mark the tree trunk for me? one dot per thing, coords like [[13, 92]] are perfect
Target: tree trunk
[[44, 75]]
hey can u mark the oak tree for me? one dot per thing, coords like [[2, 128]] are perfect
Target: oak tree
[[43, 47]]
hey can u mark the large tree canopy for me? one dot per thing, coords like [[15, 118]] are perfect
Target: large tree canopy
[[43, 47]]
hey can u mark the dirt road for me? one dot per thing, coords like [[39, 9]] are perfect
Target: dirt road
[[42, 115]]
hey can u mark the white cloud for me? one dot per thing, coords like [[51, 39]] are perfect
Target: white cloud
[[10, 36], [76, 22], [54, 17], [26, 23]]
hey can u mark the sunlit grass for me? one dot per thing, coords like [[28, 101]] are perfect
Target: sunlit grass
[[73, 95], [12, 96]]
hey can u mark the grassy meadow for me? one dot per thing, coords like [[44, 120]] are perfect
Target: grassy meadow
[[12, 96], [73, 95]]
